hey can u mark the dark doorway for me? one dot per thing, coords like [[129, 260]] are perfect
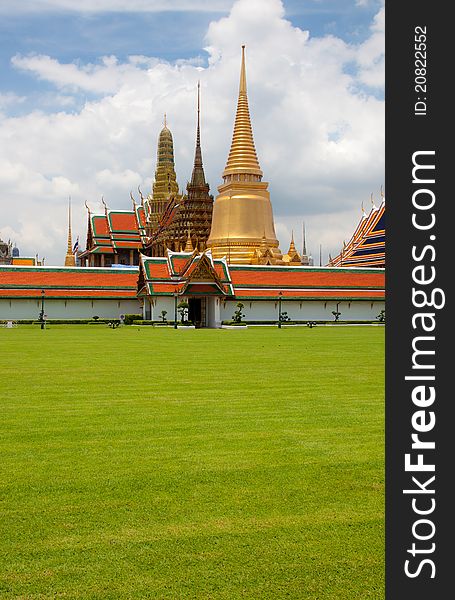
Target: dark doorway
[[196, 311]]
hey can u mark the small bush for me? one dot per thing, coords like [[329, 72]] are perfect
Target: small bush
[[128, 320]]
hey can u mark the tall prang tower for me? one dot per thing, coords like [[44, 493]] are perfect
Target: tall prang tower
[[242, 225], [165, 185]]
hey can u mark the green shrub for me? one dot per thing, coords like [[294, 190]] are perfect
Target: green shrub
[[128, 320]]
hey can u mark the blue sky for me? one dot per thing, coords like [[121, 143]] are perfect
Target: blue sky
[[52, 65], [73, 36]]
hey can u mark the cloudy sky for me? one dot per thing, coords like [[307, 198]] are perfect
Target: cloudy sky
[[85, 83]]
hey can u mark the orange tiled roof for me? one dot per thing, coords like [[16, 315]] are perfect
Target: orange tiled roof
[[304, 277], [67, 282], [247, 281]]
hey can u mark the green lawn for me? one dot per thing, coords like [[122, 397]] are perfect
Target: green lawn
[[202, 464]]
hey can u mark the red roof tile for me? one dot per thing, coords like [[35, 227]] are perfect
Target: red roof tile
[[123, 221]]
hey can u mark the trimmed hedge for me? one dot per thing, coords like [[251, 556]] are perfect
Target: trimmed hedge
[[128, 320]]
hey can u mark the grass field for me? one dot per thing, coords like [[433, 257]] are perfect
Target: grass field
[[203, 464]]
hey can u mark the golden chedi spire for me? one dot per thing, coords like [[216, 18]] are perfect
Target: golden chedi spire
[[242, 157], [242, 222], [70, 260]]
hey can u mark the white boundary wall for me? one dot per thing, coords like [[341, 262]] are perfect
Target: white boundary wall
[[71, 308], [150, 308], [312, 310], [267, 310]]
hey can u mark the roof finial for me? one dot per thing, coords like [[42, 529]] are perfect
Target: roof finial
[[165, 121], [382, 192], [140, 194], [87, 207], [242, 88], [198, 131]]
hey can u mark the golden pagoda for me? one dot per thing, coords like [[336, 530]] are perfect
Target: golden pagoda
[[70, 260], [242, 225]]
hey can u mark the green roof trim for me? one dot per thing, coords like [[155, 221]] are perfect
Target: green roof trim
[[309, 287], [272, 269]]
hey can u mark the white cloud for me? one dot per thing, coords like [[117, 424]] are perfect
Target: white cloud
[[370, 55], [9, 99], [319, 139]]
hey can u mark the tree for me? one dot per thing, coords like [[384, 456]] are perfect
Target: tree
[[381, 316], [336, 314], [238, 315], [284, 317], [183, 308], [163, 316]]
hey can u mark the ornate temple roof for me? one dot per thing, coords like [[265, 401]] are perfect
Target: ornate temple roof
[[115, 230], [193, 274], [174, 273], [184, 272], [67, 282], [366, 248]]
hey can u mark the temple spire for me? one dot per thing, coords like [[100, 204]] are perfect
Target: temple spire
[[70, 261], [198, 176], [242, 159]]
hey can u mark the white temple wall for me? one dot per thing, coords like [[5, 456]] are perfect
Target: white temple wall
[[311, 310], [159, 303], [29, 308], [217, 311]]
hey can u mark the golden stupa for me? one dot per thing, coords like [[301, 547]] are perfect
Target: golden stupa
[[242, 224]]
